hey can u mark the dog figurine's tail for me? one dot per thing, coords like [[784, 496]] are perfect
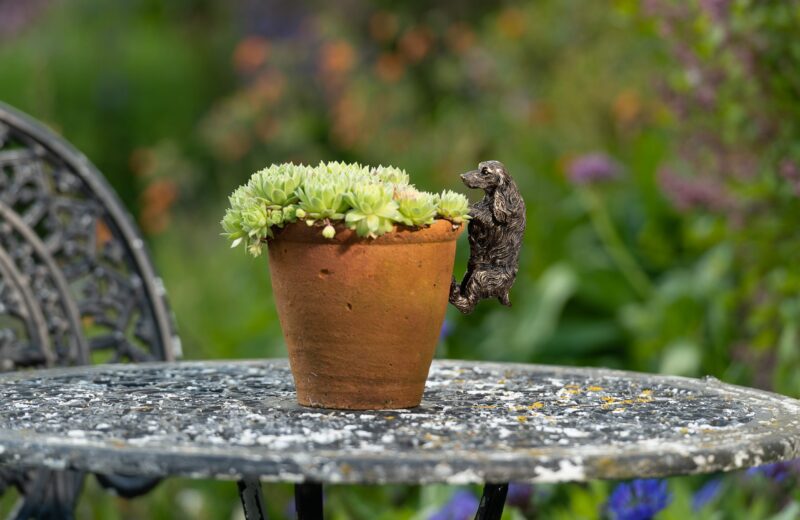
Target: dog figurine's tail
[[495, 238]]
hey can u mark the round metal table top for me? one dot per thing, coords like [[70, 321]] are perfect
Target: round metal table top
[[479, 422]]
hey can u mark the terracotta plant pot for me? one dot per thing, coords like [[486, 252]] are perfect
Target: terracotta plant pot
[[362, 317]]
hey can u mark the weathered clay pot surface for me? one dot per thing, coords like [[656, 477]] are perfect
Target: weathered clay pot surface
[[361, 317]]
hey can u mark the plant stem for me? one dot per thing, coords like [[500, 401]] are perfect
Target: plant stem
[[613, 244]]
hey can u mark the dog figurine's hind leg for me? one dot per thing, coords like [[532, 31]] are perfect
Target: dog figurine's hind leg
[[495, 237]]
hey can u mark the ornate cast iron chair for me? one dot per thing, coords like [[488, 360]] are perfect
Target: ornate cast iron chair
[[76, 286]]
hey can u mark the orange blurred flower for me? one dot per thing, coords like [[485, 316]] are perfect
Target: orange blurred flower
[[383, 26], [337, 58], [348, 121], [157, 200], [460, 37], [250, 54], [266, 89], [266, 128], [627, 106], [415, 43], [102, 233], [540, 113], [511, 23], [232, 145], [390, 67]]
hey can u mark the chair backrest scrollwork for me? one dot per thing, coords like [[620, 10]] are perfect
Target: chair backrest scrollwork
[[76, 283]]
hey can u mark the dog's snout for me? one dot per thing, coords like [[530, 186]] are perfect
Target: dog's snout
[[470, 178]]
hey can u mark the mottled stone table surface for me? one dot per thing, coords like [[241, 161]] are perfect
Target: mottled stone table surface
[[479, 422]]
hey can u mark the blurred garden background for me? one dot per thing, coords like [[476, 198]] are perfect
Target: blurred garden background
[[656, 142]]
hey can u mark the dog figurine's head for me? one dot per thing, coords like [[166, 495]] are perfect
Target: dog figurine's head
[[492, 177], [488, 177]]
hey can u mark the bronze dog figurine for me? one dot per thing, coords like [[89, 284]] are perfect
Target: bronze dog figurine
[[495, 238]]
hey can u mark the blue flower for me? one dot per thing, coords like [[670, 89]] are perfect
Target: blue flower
[[706, 494], [777, 472], [462, 506], [592, 168], [638, 500], [447, 329], [519, 495]]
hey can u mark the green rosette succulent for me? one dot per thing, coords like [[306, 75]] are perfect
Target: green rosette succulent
[[390, 175], [276, 185], [416, 208], [322, 198], [453, 206], [370, 201], [348, 175], [232, 223], [373, 210]]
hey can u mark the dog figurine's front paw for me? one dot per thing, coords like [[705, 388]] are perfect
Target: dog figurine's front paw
[[455, 289]]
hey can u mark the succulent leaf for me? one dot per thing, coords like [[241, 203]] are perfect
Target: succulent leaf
[[453, 206]]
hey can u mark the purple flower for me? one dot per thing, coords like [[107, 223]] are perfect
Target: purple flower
[[777, 472], [706, 494], [717, 10], [519, 495], [462, 506], [592, 168], [692, 193], [447, 329], [638, 500], [15, 16], [789, 170]]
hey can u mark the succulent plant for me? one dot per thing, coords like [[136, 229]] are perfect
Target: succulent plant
[[453, 206], [322, 198], [374, 210], [276, 185], [369, 200], [391, 175], [416, 208], [347, 174]]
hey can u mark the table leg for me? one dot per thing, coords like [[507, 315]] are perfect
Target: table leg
[[492, 502], [252, 499], [308, 501], [48, 495]]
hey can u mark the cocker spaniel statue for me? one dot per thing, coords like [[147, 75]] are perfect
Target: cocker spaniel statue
[[495, 238]]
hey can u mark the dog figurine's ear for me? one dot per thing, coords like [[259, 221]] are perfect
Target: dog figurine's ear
[[506, 199]]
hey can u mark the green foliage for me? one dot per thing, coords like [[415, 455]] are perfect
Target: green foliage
[[369, 200], [733, 87]]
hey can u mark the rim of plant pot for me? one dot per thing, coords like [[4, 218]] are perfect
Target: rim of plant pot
[[441, 230]]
